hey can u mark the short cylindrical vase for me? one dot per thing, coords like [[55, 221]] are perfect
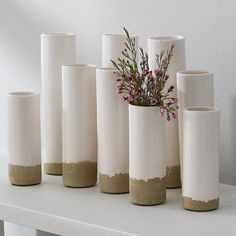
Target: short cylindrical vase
[[147, 166], [24, 138], [200, 158], [79, 126], [113, 134]]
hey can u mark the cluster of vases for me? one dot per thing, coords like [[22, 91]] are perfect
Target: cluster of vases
[[84, 120]]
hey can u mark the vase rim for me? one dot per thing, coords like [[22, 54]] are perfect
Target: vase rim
[[22, 94], [106, 68], [194, 72], [144, 106], [81, 66], [167, 38], [119, 35], [203, 109], [57, 34]]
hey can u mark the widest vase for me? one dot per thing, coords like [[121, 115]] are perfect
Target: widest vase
[[178, 62], [112, 45], [201, 158], [79, 124], [56, 49], [194, 88], [24, 138], [147, 166], [113, 134]]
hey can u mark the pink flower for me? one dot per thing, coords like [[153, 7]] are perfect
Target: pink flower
[[173, 115]]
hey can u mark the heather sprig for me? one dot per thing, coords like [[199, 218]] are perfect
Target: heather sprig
[[139, 85]]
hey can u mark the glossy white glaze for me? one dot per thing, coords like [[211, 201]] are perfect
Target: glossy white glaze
[[24, 129], [147, 143], [201, 153], [112, 45], [79, 113], [178, 62], [112, 125], [56, 49]]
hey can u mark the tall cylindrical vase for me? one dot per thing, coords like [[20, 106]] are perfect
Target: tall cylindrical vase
[[24, 138], [112, 45], [147, 166], [113, 137], [79, 125], [56, 49], [201, 158], [194, 88], [178, 62]]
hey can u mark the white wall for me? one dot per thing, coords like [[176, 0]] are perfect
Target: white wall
[[208, 25]]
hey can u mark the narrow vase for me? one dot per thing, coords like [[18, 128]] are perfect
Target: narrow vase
[[178, 62], [201, 158], [194, 88], [113, 134], [56, 49], [147, 166], [79, 125], [24, 138]]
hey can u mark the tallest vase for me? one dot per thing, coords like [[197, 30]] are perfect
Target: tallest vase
[[56, 49], [178, 62]]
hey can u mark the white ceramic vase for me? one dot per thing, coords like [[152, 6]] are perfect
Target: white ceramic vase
[[56, 49], [194, 88], [201, 158], [113, 134], [147, 166], [112, 46], [178, 62], [79, 125], [24, 138]]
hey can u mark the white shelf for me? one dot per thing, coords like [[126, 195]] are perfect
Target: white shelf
[[81, 212]]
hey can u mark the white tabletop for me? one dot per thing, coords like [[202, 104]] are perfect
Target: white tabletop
[[82, 212]]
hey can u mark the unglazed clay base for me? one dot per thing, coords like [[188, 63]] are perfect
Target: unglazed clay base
[[53, 168], [150, 192], [24, 175], [195, 205], [173, 177], [118, 183], [81, 174]]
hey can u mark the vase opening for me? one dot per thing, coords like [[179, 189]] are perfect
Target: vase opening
[[201, 109], [21, 94], [81, 66], [56, 34], [118, 36], [167, 38], [194, 72]]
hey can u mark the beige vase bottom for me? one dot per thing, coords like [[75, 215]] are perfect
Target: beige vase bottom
[[150, 192], [53, 168], [81, 174], [195, 205], [24, 175], [119, 183], [173, 177]]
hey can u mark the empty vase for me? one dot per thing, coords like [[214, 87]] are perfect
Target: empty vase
[[24, 138], [113, 134], [178, 62], [200, 158], [79, 125], [56, 49]]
